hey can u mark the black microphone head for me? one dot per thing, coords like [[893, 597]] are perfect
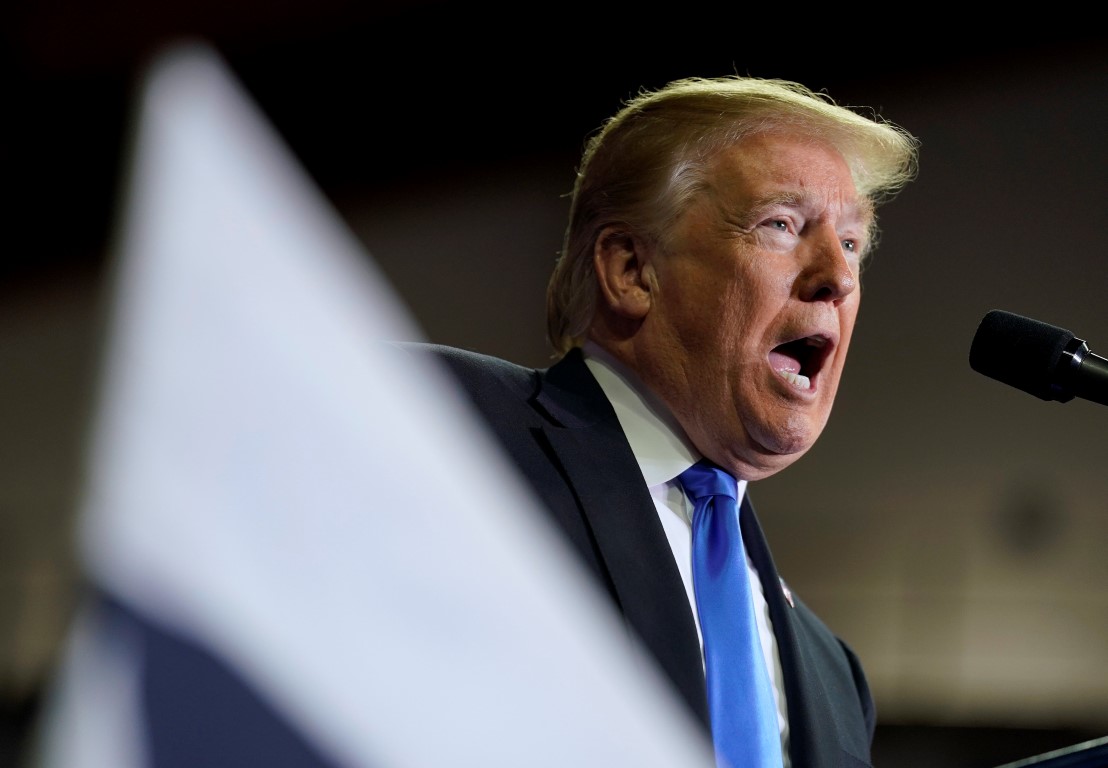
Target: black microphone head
[[1020, 352]]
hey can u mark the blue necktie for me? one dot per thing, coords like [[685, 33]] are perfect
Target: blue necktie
[[740, 701]]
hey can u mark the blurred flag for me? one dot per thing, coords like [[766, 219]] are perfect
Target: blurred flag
[[288, 558]]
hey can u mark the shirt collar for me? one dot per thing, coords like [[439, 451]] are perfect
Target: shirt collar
[[660, 445]]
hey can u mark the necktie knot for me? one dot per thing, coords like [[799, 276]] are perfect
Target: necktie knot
[[706, 479], [740, 694]]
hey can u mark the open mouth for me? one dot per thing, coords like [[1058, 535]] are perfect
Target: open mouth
[[800, 361]]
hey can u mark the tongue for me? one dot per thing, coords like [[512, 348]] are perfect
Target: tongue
[[782, 362]]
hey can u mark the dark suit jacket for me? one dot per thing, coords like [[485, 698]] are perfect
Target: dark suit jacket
[[559, 429]]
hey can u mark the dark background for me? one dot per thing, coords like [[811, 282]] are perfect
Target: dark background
[[950, 528]]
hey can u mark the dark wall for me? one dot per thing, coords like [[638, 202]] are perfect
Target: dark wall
[[948, 527]]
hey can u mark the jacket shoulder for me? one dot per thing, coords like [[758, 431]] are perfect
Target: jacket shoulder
[[489, 380]]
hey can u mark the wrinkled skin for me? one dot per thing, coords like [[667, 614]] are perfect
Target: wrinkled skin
[[770, 254]]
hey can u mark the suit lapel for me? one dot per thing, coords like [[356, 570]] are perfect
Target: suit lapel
[[812, 733], [584, 434]]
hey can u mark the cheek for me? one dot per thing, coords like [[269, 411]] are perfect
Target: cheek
[[712, 306], [747, 307]]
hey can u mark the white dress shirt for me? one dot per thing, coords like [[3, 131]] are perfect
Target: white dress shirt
[[663, 452]]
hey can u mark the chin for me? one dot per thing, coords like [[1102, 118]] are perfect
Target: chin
[[779, 448], [755, 449], [756, 461]]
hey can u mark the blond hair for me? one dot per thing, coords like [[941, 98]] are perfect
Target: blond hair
[[649, 160]]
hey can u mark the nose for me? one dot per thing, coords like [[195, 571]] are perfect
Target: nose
[[830, 272]]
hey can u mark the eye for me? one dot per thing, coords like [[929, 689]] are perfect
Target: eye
[[781, 225], [850, 245]]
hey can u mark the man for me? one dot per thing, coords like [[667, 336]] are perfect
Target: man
[[702, 310]]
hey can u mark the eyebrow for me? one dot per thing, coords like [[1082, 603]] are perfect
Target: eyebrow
[[790, 199], [862, 210]]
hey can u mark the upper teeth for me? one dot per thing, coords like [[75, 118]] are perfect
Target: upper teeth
[[796, 379]]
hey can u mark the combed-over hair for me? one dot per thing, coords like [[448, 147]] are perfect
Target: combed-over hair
[[645, 165]]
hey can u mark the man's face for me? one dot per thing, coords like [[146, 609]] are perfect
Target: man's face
[[755, 301]]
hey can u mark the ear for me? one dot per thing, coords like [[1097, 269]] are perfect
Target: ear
[[624, 272]]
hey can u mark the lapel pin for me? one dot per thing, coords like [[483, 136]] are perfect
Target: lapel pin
[[787, 592]]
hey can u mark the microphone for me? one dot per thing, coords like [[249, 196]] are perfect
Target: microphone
[[1041, 359]]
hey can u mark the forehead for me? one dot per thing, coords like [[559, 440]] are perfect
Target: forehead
[[788, 168]]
